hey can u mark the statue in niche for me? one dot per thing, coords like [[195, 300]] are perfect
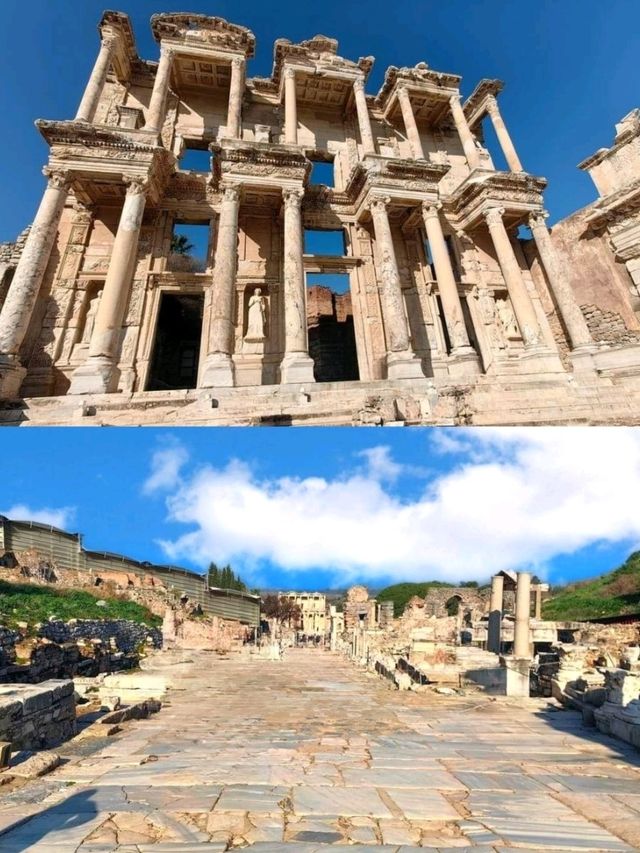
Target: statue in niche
[[508, 320], [90, 317], [256, 317]]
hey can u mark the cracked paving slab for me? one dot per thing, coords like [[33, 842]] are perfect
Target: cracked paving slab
[[310, 753]]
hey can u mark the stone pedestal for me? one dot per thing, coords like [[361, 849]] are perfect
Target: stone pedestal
[[517, 676]]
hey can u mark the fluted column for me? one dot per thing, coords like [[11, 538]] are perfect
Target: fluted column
[[447, 285], [401, 360], [24, 289], [157, 105], [364, 121], [410, 123], [236, 89], [290, 108], [518, 293], [296, 366], [502, 133], [521, 638], [464, 132], [494, 628], [218, 368], [99, 374], [572, 316], [95, 86]]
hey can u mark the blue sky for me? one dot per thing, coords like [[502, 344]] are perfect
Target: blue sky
[[570, 67], [304, 508]]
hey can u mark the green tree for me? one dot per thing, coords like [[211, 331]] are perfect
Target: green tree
[[181, 245]]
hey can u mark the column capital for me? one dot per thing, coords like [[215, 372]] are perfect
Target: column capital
[[455, 98], [238, 62], [492, 106], [432, 208], [167, 52], [57, 178], [293, 196], [136, 185], [109, 41], [230, 192], [358, 84], [537, 218], [493, 215], [289, 73], [379, 203]]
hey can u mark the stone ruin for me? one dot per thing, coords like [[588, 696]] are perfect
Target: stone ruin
[[442, 305]]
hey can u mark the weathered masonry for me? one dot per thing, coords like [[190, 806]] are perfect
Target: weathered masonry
[[359, 258], [66, 551]]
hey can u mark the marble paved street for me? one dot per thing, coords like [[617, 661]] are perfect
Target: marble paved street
[[309, 753]]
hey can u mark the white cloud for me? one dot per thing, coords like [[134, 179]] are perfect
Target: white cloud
[[516, 498], [380, 464], [61, 517], [166, 464]]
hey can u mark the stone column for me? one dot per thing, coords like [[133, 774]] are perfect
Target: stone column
[[23, 291], [518, 293], [296, 366], [538, 602], [95, 86], [290, 108], [410, 123], [99, 375], [494, 628], [156, 113], [503, 135], [364, 121], [572, 316], [447, 286], [236, 90], [521, 642], [401, 360], [218, 370], [464, 132]]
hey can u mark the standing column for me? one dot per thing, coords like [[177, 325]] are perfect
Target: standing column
[[218, 368], [572, 316], [518, 293], [494, 629], [503, 135], [364, 122], [410, 123], [99, 375], [290, 108], [447, 286], [401, 360], [95, 86], [156, 114], [236, 89], [538, 601], [23, 291], [297, 366], [521, 639], [464, 132]]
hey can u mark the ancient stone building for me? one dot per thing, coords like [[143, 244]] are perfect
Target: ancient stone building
[[448, 315]]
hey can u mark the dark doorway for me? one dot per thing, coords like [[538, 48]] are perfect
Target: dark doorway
[[177, 348], [332, 339]]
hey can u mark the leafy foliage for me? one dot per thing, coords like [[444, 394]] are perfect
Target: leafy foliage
[[24, 602], [225, 578], [609, 595], [181, 245], [282, 609], [402, 593]]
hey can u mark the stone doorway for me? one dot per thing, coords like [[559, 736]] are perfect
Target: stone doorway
[[332, 339], [176, 354]]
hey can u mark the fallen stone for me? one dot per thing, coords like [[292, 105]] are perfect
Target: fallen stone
[[138, 711], [5, 754], [38, 765]]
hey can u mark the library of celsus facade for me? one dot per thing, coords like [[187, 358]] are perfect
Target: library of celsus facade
[[454, 304]]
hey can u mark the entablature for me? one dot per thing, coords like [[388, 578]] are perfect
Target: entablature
[[401, 180], [203, 32], [517, 193], [475, 107], [259, 164], [429, 91], [316, 56], [116, 26]]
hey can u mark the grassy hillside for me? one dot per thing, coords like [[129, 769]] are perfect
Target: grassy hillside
[[24, 602], [611, 594], [401, 593]]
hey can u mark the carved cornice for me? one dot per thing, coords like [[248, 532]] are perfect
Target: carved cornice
[[81, 133], [319, 54], [618, 206], [477, 100], [118, 25], [513, 190], [419, 76], [205, 31]]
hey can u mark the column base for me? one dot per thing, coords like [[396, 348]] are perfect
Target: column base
[[464, 361], [296, 368], [582, 358], [404, 365], [217, 371], [517, 676], [542, 359], [98, 375], [12, 374]]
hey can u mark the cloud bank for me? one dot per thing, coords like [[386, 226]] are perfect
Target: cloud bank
[[509, 499]]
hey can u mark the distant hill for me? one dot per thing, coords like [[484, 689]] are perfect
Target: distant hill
[[612, 594], [402, 593]]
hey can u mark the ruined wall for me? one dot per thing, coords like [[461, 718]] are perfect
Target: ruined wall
[[436, 600], [33, 717], [126, 635]]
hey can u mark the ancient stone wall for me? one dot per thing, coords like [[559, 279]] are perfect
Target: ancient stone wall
[[126, 635], [436, 599], [37, 716]]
